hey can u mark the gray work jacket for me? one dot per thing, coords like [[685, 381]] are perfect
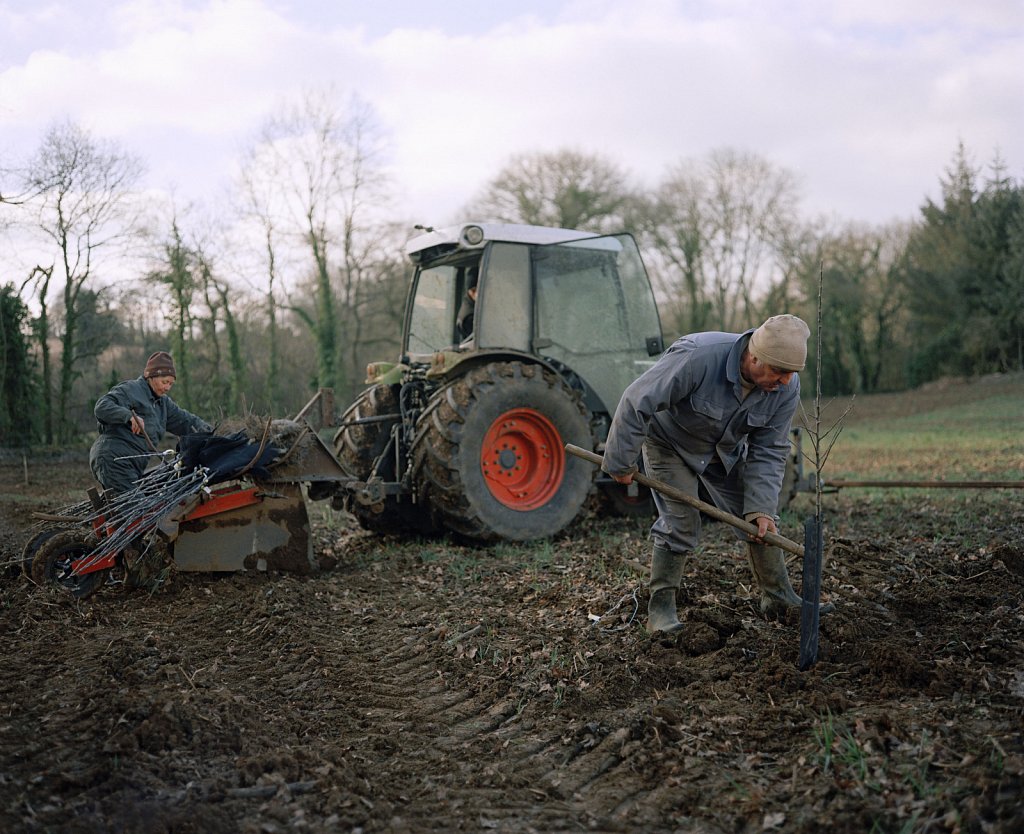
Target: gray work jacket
[[692, 400], [113, 412]]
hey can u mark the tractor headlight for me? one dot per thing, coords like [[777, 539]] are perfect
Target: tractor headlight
[[473, 235]]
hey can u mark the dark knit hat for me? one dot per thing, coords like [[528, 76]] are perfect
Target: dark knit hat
[[159, 364], [781, 342]]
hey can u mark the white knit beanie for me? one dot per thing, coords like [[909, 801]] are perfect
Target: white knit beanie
[[781, 342]]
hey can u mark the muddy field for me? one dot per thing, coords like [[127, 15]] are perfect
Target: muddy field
[[429, 686]]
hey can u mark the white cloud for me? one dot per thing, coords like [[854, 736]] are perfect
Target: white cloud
[[866, 101]]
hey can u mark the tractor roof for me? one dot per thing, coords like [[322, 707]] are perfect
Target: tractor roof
[[476, 235]]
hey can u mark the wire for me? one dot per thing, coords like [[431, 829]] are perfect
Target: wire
[[629, 621]]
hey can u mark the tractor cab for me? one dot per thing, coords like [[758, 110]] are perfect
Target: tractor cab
[[517, 341]]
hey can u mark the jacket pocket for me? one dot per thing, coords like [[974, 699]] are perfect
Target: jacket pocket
[[707, 408], [759, 418]]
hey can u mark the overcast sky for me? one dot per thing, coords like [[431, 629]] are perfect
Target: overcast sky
[[864, 101]]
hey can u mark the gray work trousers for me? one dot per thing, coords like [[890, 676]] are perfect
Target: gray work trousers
[[678, 524], [116, 464]]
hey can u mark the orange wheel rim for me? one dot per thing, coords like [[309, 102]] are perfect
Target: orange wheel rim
[[522, 459]]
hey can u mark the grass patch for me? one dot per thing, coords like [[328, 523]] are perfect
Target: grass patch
[[961, 438]]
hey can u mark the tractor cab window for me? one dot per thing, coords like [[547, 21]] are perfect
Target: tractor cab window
[[443, 308], [433, 308], [595, 312], [466, 317]]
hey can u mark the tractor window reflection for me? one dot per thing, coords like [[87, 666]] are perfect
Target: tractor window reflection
[[433, 311]]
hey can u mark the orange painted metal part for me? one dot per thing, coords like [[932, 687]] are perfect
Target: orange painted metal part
[[224, 500], [522, 459]]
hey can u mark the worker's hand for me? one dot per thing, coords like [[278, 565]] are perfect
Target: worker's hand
[[764, 525], [624, 479], [138, 424]]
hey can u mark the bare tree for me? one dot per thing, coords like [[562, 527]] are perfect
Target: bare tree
[[367, 243], [675, 231], [220, 322], [82, 189], [303, 150], [40, 278], [864, 342], [176, 274], [565, 188], [257, 196], [718, 226], [316, 176]]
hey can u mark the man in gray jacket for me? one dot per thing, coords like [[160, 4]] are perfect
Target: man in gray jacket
[[712, 418], [132, 418]]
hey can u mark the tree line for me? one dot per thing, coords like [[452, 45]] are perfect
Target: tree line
[[295, 279]]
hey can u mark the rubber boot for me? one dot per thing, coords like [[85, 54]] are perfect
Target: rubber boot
[[666, 576], [777, 595]]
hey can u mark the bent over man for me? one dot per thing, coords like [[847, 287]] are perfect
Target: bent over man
[[132, 418], [712, 418]]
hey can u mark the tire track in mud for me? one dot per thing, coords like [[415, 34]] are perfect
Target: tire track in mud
[[463, 757]]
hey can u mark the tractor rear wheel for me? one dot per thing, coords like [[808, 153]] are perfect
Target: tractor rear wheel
[[489, 455], [363, 437], [55, 558]]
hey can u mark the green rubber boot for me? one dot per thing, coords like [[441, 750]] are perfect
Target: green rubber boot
[[666, 576], [777, 595]]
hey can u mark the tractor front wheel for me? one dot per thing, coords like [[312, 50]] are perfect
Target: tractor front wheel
[[489, 455]]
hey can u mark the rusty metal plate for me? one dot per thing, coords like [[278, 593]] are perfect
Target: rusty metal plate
[[272, 534]]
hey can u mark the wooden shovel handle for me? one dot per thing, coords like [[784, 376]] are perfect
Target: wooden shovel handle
[[706, 508]]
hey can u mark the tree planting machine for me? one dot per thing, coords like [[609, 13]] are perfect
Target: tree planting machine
[[462, 434]]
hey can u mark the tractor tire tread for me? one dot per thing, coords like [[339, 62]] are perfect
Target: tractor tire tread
[[447, 447]]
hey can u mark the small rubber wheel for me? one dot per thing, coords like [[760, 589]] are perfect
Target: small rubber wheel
[[55, 560], [31, 548]]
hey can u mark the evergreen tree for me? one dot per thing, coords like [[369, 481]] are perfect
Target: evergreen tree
[[964, 279], [19, 385]]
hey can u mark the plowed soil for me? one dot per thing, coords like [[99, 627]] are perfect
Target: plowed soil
[[424, 685]]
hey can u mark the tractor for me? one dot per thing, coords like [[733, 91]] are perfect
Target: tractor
[[467, 433]]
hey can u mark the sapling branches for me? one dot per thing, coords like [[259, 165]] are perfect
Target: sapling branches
[[822, 439]]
